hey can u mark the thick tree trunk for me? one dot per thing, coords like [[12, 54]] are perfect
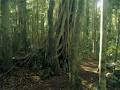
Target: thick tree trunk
[[77, 23], [52, 50], [4, 37], [5, 43], [22, 17]]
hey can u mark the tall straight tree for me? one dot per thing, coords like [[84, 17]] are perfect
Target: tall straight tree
[[77, 23], [22, 17], [52, 60], [86, 20], [5, 44], [102, 54], [4, 38], [94, 27], [118, 35]]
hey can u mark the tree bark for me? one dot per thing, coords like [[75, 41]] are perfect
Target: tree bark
[[102, 55], [4, 37], [22, 19]]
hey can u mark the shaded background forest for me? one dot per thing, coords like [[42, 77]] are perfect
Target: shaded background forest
[[52, 37]]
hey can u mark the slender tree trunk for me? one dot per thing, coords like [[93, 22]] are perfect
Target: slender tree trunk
[[94, 27], [86, 20], [118, 38], [102, 56]]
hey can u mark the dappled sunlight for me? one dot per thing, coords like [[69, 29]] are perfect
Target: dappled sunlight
[[86, 68]]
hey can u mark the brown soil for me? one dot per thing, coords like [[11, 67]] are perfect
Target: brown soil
[[23, 79], [27, 80]]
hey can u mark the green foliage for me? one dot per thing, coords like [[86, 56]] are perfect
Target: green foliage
[[111, 48], [47, 33]]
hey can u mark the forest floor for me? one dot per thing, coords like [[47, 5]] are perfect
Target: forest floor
[[23, 79], [89, 74]]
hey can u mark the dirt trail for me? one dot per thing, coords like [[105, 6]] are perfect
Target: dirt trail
[[89, 74]]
